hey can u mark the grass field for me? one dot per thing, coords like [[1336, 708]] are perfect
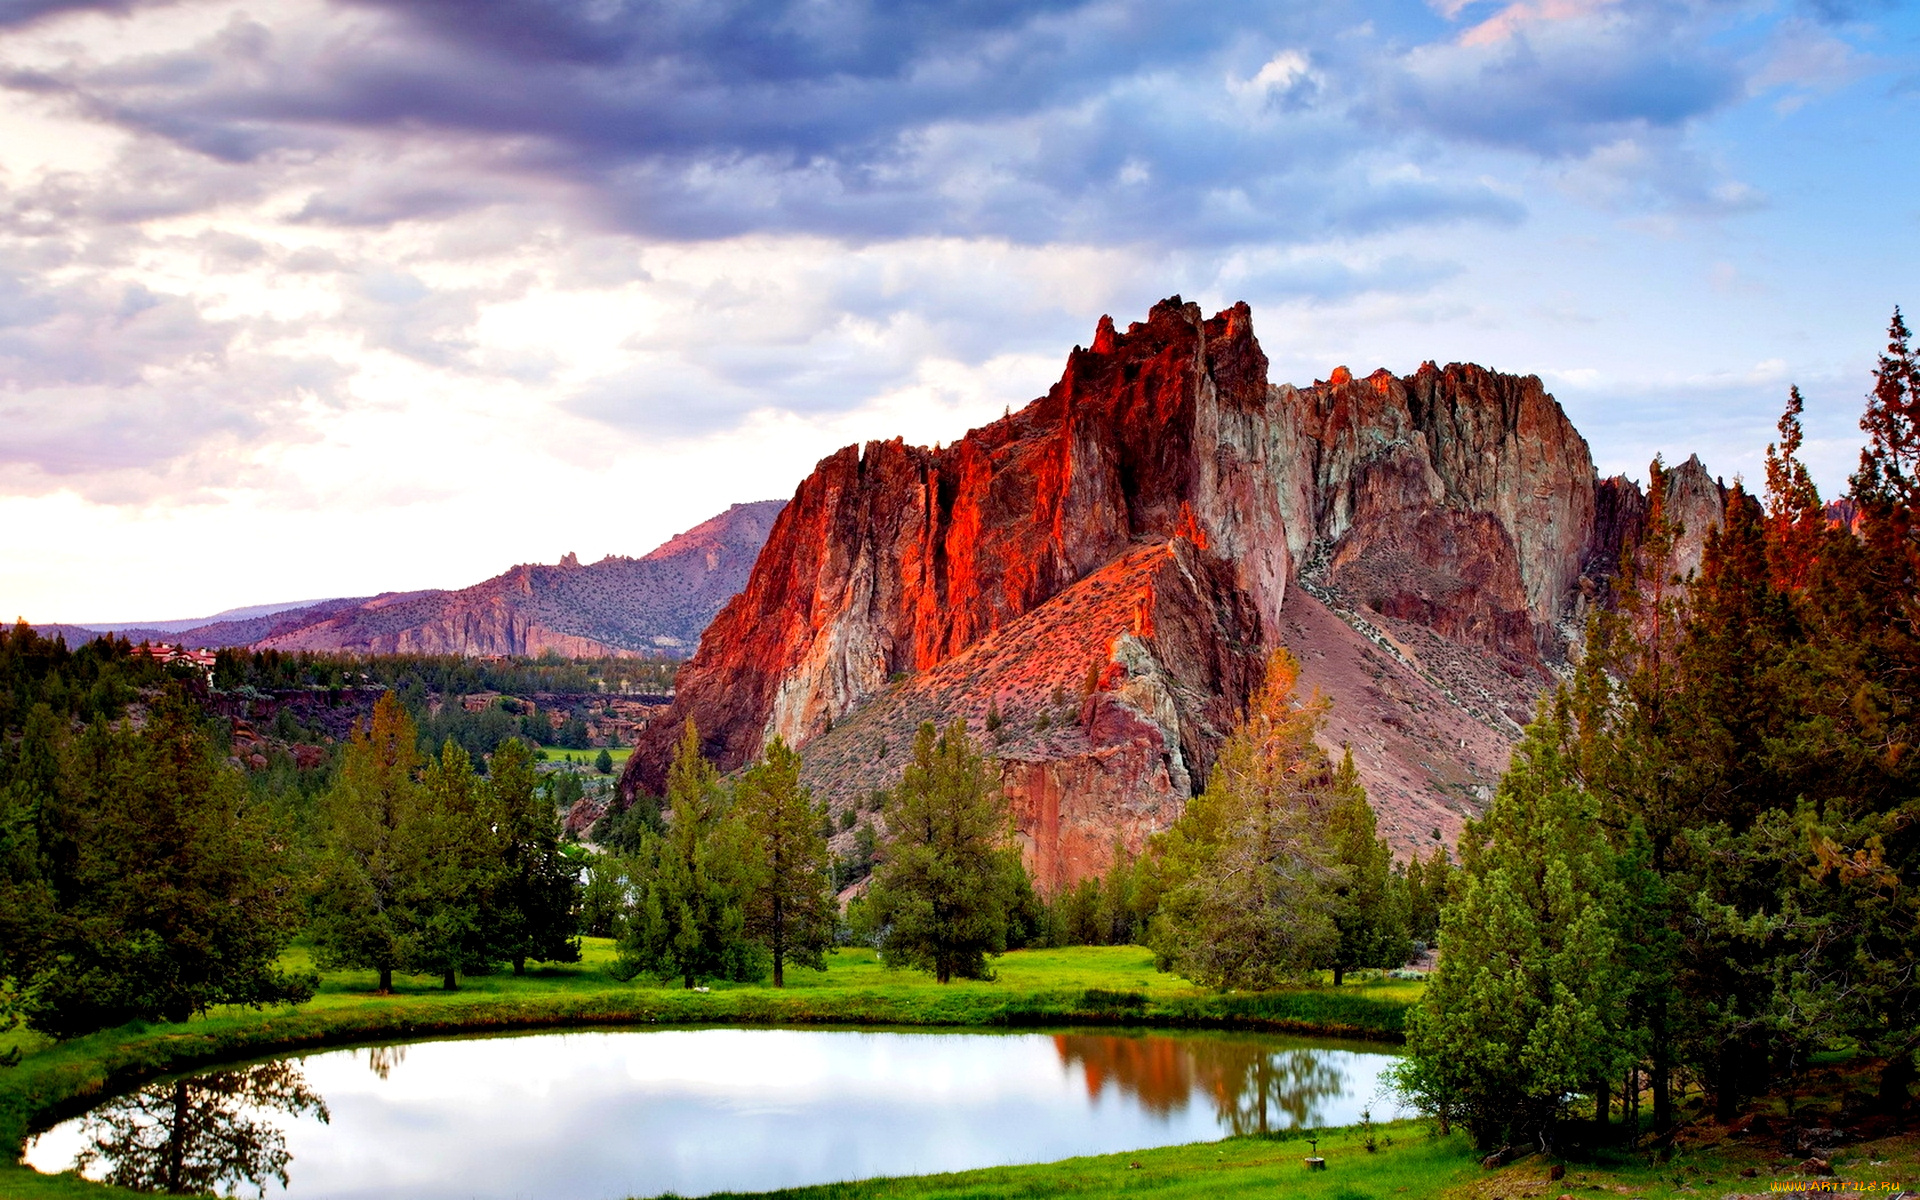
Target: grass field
[[619, 754], [1039, 987]]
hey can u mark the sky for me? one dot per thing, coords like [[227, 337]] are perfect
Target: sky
[[311, 298]]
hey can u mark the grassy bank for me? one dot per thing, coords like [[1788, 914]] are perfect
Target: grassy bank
[[1407, 1162], [1410, 1162], [1078, 986]]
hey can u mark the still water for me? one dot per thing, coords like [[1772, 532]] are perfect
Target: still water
[[600, 1115]]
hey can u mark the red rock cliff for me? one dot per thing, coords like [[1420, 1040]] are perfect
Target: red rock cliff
[[894, 558], [1139, 525]]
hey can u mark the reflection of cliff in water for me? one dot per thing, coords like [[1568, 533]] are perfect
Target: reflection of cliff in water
[[209, 1135], [1255, 1088]]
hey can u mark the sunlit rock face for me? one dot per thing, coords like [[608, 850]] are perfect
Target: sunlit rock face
[[893, 558], [1093, 583]]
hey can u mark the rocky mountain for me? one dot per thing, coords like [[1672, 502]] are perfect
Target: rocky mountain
[[1094, 581], [656, 604]]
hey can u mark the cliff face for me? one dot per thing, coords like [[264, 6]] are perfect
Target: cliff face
[[1456, 498], [1103, 572], [894, 558], [1104, 705]]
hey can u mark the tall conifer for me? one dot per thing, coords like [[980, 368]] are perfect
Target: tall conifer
[[943, 894], [539, 886], [1525, 1007], [789, 902], [358, 920], [689, 921]]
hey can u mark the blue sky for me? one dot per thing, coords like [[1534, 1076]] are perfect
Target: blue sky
[[313, 298]]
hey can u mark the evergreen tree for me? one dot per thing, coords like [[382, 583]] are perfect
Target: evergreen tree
[[789, 904], [689, 920], [944, 890], [358, 920], [605, 899], [1524, 1009], [1428, 885], [169, 891], [1129, 895], [1247, 900], [454, 874], [1889, 474], [1369, 914], [29, 787], [540, 886]]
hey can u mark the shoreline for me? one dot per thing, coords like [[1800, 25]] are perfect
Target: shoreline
[[55, 1081]]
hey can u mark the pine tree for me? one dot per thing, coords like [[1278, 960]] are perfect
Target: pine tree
[[454, 874], [689, 920], [358, 922], [1796, 519], [1428, 885], [1889, 474], [1369, 914], [789, 903], [1524, 1009], [539, 886], [1248, 877], [171, 892], [943, 894]]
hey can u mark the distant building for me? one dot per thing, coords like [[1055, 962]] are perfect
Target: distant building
[[202, 660]]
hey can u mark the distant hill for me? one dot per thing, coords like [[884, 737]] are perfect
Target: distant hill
[[187, 623], [657, 604]]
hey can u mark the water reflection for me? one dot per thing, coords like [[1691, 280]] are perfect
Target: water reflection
[[208, 1135], [1255, 1088], [383, 1059], [591, 1114]]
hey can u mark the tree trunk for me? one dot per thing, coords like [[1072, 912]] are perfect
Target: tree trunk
[[519, 964], [1602, 1102], [1660, 1078], [386, 981], [1662, 1085], [1726, 1091], [1339, 973], [779, 940], [1630, 1106], [689, 982], [447, 981], [177, 1138], [1895, 1078]]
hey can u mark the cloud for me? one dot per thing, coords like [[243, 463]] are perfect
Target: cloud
[[111, 388], [25, 12], [749, 207], [1096, 119], [1562, 79]]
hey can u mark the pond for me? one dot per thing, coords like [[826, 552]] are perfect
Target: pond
[[605, 1114]]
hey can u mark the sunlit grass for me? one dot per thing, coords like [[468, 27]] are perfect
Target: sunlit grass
[[1408, 1162]]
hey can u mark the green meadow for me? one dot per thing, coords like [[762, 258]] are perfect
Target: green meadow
[[585, 758]]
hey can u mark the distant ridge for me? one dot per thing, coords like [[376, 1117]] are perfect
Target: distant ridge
[[183, 625], [658, 604]]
